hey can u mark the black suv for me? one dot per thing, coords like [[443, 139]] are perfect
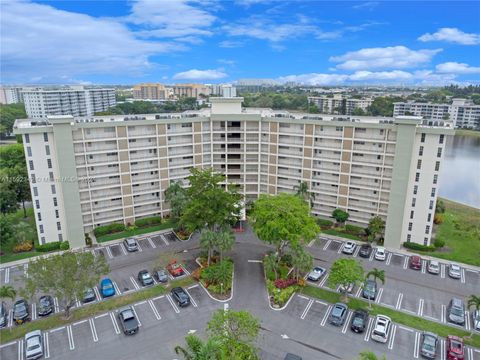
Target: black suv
[[129, 321], [45, 305], [21, 312], [359, 321], [180, 296], [365, 250]]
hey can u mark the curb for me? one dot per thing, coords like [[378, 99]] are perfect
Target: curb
[[208, 292], [268, 295]]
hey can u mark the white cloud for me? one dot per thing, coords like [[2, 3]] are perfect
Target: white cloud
[[399, 57], [381, 75], [369, 5], [41, 41], [315, 79], [230, 44], [452, 35], [195, 74], [457, 68]]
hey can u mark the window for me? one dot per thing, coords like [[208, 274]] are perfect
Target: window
[[45, 137], [27, 138], [417, 177], [420, 152], [379, 157], [412, 214], [414, 200], [51, 176], [410, 225], [435, 178], [338, 128], [39, 217], [55, 201], [425, 241], [54, 191], [29, 151], [440, 140], [431, 205], [57, 215], [49, 163], [419, 164], [47, 149], [35, 191], [30, 164], [427, 229], [439, 152], [423, 138], [42, 240], [33, 179], [437, 165], [59, 226], [433, 192], [415, 189], [41, 228], [429, 217], [37, 204], [409, 237], [60, 237]]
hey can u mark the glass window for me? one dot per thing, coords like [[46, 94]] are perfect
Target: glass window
[[417, 177], [439, 152], [412, 214], [57, 214], [30, 164], [37, 204], [433, 192], [49, 163], [27, 138], [435, 178], [45, 136], [410, 226], [415, 189], [423, 138], [437, 165], [427, 229], [431, 205], [414, 200], [419, 164], [60, 237], [47, 149], [429, 217], [41, 228], [420, 152], [35, 191], [55, 201], [29, 151], [54, 191], [441, 139], [409, 237], [59, 226]]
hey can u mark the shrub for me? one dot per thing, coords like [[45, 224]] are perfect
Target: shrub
[[439, 243], [88, 240], [23, 247], [284, 283], [324, 224], [149, 221], [419, 247], [354, 230], [197, 273], [48, 247], [108, 229], [438, 219], [64, 245], [287, 260], [284, 295]]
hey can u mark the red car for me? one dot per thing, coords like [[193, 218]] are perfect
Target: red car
[[415, 262], [455, 350], [175, 269]]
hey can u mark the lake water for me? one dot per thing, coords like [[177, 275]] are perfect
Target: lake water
[[460, 171]]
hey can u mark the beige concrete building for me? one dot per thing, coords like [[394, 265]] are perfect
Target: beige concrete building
[[150, 91], [190, 90], [339, 104], [88, 172]]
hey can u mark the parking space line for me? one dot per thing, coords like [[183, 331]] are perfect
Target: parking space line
[[34, 311], [424, 266], [327, 245], [470, 353], [158, 297], [462, 276], [442, 349], [97, 293], [379, 296], [310, 244], [442, 271], [392, 338], [389, 258], [70, 337], [77, 302], [357, 294], [139, 247], [303, 297], [93, 329], [467, 320], [417, 345], [79, 322], [164, 240], [57, 329], [101, 315], [46, 345], [340, 248], [8, 344], [115, 324], [109, 253], [192, 287], [7, 275], [25, 270], [405, 263], [117, 290], [324, 280], [321, 302], [20, 349], [191, 298], [371, 256], [141, 303], [430, 317], [172, 303], [135, 285], [399, 301], [307, 308], [444, 314], [420, 307], [10, 318], [369, 329], [136, 315], [152, 244], [123, 249], [357, 249], [325, 317], [186, 271], [154, 309], [347, 321], [405, 328]]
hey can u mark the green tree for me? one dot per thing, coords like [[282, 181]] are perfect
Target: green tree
[[7, 231], [8, 201], [359, 112], [302, 261], [344, 272], [176, 195], [376, 226], [64, 276], [23, 232], [283, 220], [20, 185], [7, 292], [383, 106], [440, 207], [340, 216], [12, 156], [8, 114], [225, 241], [473, 302], [237, 331], [219, 274], [304, 192], [197, 349], [376, 274], [271, 264], [208, 241], [370, 355]]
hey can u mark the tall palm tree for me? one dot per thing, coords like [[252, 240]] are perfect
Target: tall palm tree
[[370, 355], [197, 349], [473, 302], [302, 261], [208, 241], [376, 274], [271, 264], [23, 231], [7, 291], [225, 241], [304, 192]]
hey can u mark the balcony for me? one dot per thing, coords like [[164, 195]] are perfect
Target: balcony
[[290, 162], [185, 150], [290, 151], [104, 169], [100, 133], [290, 140], [180, 140], [144, 165], [97, 146], [108, 215], [140, 188], [180, 162], [95, 183], [107, 204], [142, 143], [102, 194], [99, 159], [142, 130], [143, 154], [144, 177]]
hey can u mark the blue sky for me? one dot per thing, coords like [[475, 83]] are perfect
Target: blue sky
[[171, 41]]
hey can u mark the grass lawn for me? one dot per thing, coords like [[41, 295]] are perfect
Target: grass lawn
[[461, 232], [341, 234], [127, 233], [465, 132], [57, 320], [396, 316]]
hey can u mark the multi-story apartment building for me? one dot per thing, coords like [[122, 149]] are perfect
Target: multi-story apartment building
[[88, 172], [224, 90], [150, 91], [75, 101], [190, 90], [11, 95], [339, 104], [462, 112]]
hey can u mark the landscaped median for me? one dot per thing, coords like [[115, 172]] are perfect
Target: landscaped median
[[396, 316], [57, 320], [134, 231]]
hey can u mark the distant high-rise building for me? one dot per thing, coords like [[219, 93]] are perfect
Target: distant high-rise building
[[190, 90], [75, 101], [339, 104], [150, 91], [11, 95], [228, 90]]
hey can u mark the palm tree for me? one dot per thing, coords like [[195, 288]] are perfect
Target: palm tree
[[270, 263], [7, 291], [370, 355], [224, 241], [23, 231], [197, 349], [304, 193], [376, 274], [302, 261], [473, 302], [208, 241]]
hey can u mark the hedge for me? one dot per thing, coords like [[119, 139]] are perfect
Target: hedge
[[419, 247], [149, 221], [108, 229], [324, 223], [56, 245], [355, 230]]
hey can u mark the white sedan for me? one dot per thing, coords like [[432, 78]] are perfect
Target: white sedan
[[349, 247], [380, 254]]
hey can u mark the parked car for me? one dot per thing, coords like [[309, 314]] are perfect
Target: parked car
[[290, 356], [106, 288], [180, 296], [456, 311], [476, 320], [145, 278], [89, 295], [348, 289], [338, 314], [161, 275], [454, 271], [428, 345], [454, 348], [370, 289], [380, 254], [3, 314], [21, 312], [365, 250], [359, 321], [316, 273], [128, 321], [349, 248], [130, 244], [175, 269], [433, 267], [415, 262], [45, 305], [33, 345], [381, 328]]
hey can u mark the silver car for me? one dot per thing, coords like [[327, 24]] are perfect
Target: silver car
[[349, 247], [131, 244], [476, 320], [316, 273], [33, 345], [433, 267], [454, 271], [428, 345]]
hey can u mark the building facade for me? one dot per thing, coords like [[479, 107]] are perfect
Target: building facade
[[11, 95], [88, 172], [75, 101], [190, 90], [150, 91], [339, 104]]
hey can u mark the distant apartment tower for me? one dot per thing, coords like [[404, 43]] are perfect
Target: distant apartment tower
[[150, 91], [425, 110], [11, 95], [75, 101], [339, 104], [223, 90], [122, 165], [465, 114], [190, 90]]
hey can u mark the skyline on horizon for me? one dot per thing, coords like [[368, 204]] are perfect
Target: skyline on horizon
[[329, 44]]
